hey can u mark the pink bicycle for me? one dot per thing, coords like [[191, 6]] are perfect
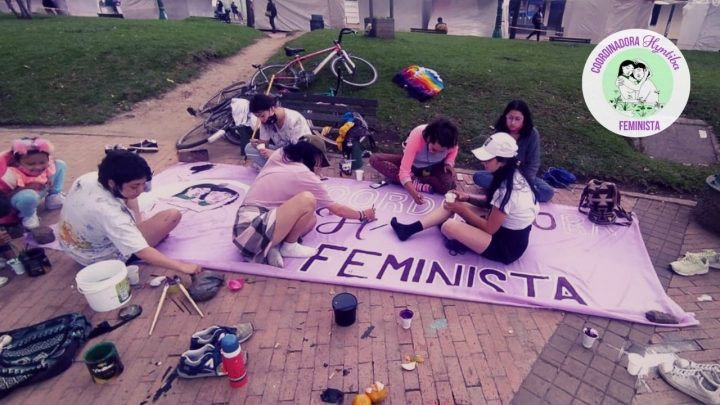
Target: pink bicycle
[[355, 71]]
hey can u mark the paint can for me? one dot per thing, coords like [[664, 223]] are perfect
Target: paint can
[[36, 262], [345, 308], [103, 362], [104, 285]]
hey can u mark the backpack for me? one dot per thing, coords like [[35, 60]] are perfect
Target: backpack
[[600, 200], [359, 131], [558, 177]]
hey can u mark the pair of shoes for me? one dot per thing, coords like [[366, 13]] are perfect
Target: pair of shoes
[[203, 362], [690, 266], [214, 334], [54, 201], [146, 146], [31, 222], [691, 381], [712, 257], [118, 147]]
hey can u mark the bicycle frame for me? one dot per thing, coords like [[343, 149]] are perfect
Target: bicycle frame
[[335, 50]]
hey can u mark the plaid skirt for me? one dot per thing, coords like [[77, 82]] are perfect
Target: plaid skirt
[[253, 232]]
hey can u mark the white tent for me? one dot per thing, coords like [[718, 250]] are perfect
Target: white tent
[[596, 19], [295, 15], [700, 29], [463, 17]]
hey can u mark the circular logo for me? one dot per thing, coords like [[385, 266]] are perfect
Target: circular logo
[[636, 83]]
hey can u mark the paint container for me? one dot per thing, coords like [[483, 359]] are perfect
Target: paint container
[[634, 363], [345, 308], [406, 316], [36, 262], [133, 273], [450, 197], [17, 266], [359, 175], [260, 146], [589, 337], [103, 362], [104, 284]]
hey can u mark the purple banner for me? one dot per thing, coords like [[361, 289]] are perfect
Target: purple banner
[[571, 264]]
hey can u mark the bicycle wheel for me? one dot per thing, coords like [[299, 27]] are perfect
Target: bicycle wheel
[[195, 137], [222, 95], [363, 74], [238, 135], [284, 76], [219, 120]]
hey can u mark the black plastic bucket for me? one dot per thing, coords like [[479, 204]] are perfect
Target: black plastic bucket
[[316, 22], [103, 362], [36, 262], [345, 308]]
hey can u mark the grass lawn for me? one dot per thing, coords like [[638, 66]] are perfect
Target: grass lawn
[[482, 74], [73, 70]]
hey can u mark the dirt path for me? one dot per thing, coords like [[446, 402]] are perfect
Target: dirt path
[[165, 118]]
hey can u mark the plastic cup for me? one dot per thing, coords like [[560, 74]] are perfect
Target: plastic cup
[[634, 363], [589, 337], [260, 146], [406, 316], [450, 197], [17, 266], [133, 275], [359, 175]]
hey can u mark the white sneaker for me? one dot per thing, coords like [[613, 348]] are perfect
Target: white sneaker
[[692, 382], [711, 370], [54, 201], [712, 257], [690, 266], [31, 222]]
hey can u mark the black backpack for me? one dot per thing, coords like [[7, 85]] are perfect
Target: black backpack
[[537, 18], [600, 200]]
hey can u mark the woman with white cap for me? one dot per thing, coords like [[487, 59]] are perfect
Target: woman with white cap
[[504, 235]]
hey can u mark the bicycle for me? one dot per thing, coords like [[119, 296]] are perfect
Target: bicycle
[[352, 67]]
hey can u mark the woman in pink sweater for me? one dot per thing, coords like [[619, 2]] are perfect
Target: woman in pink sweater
[[427, 164]]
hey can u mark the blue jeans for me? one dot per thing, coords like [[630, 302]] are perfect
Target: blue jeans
[[27, 201], [545, 193], [252, 153]]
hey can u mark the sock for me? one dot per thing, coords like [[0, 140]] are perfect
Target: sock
[[297, 250], [274, 257], [423, 188], [405, 231]]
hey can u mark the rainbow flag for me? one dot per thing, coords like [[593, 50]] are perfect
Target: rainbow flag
[[421, 83]]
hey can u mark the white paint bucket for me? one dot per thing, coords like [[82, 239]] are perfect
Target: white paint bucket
[[104, 285]]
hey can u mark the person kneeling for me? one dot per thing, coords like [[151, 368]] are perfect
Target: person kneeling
[[280, 205], [504, 236], [101, 218]]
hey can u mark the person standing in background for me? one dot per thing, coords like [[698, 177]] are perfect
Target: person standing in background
[[271, 12], [537, 20]]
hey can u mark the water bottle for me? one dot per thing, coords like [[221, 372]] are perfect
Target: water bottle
[[232, 361]]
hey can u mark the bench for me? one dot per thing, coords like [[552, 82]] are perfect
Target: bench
[[328, 111], [567, 39], [111, 15], [427, 31]]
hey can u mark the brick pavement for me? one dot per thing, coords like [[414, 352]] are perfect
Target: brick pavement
[[487, 354]]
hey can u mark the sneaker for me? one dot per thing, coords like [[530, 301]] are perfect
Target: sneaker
[[214, 334], [203, 362], [692, 382], [711, 370], [31, 222], [54, 201], [690, 266], [118, 147], [712, 257], [146, 146]]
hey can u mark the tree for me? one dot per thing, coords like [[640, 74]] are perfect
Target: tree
[[25, 8]]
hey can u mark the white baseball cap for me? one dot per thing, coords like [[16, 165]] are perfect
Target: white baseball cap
[[499, 144]]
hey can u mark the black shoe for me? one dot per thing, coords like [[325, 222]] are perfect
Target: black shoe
[[146, 146], [118, 147]]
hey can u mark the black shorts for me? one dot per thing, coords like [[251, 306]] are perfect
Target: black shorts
[[507, 245]]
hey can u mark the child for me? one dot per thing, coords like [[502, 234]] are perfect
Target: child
[[32, 173]]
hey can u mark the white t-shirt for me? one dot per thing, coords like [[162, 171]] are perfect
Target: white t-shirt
[[293, 128], [95, 225], [521, 209]]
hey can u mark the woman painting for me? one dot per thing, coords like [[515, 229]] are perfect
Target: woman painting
[[504, 235]]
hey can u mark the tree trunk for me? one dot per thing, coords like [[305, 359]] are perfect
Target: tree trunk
[[10, 6]]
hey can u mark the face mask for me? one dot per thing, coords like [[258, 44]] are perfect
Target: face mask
[[271, 120], [31, 173]]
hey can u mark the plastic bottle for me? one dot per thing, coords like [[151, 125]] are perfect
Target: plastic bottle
[[232, 361]]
